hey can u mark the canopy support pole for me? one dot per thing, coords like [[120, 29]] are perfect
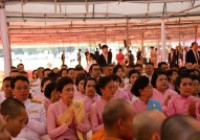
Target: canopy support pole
[[127, 36], [196, 32], [163, 40], [5, 41]]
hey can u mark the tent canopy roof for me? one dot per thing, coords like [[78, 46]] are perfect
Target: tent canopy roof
[[59, 10], [56, 20]]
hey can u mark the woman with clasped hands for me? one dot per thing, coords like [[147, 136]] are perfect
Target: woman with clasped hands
[[66, 119]]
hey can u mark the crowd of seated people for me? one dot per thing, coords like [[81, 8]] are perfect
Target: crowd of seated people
[[110, 102]]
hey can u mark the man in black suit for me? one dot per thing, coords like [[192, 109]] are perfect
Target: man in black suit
[[105, 58], [192, 55]]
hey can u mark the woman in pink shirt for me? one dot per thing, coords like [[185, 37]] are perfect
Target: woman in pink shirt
[[106, 89], [161, 92], [133, 75], [144, 91], [51, 95], [120, 93], [119, 71], [172, 74], [184, 103], [90, 91], [80, 93], [66, 119], [196, 85]]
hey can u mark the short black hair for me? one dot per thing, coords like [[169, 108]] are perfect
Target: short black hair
[[20, 64], [170, 72], [179, 79], [78, 68], [140, 83], [23, 72], [17, 78], [90, 79], [132, 72], [80, 77], [69, 69], [15, 70], [161, 63], [103, 81], [44, 80], [47, 69], [11, 107], [60, 72], [193, 43], [64, 65], [104, 46], [116, 78], [194, 77], [12, 67], [53, 76], [8, 78], [91, 67], [40, 68], [63, 82], [137, 65], [149, 63], [180, 70], [175, 66], [116, 68], [49, 89], [155, 75]]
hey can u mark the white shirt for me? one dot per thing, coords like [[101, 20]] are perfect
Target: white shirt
[[36, 126]]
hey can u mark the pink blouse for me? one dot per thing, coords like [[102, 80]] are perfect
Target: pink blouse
[[96, 114], [79, 96], [179, 105], [161, 97], [63, 132], [139, 106]]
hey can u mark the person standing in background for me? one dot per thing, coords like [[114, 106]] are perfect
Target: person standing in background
[[86, 53], [79, 56], [192, 55], [130, 58], [106, 56], [120, 57]]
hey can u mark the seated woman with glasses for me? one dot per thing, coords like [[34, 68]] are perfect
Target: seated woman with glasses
[[107, 91], [66, 119]]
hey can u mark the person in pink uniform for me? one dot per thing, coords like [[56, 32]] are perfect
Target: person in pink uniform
[[80, 93], [184, 103], [172, 74], [120, 93], [196, 85], [51, 95], [90, 91], [133, 75], [119, 71], [161, 93], [62, 118], [144, 91], [106, 89]]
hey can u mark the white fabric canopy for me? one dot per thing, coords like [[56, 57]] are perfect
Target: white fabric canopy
[[52, 11], [93, 21]]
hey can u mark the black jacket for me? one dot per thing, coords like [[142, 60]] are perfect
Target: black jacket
[[102, 61], [190, 57]]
